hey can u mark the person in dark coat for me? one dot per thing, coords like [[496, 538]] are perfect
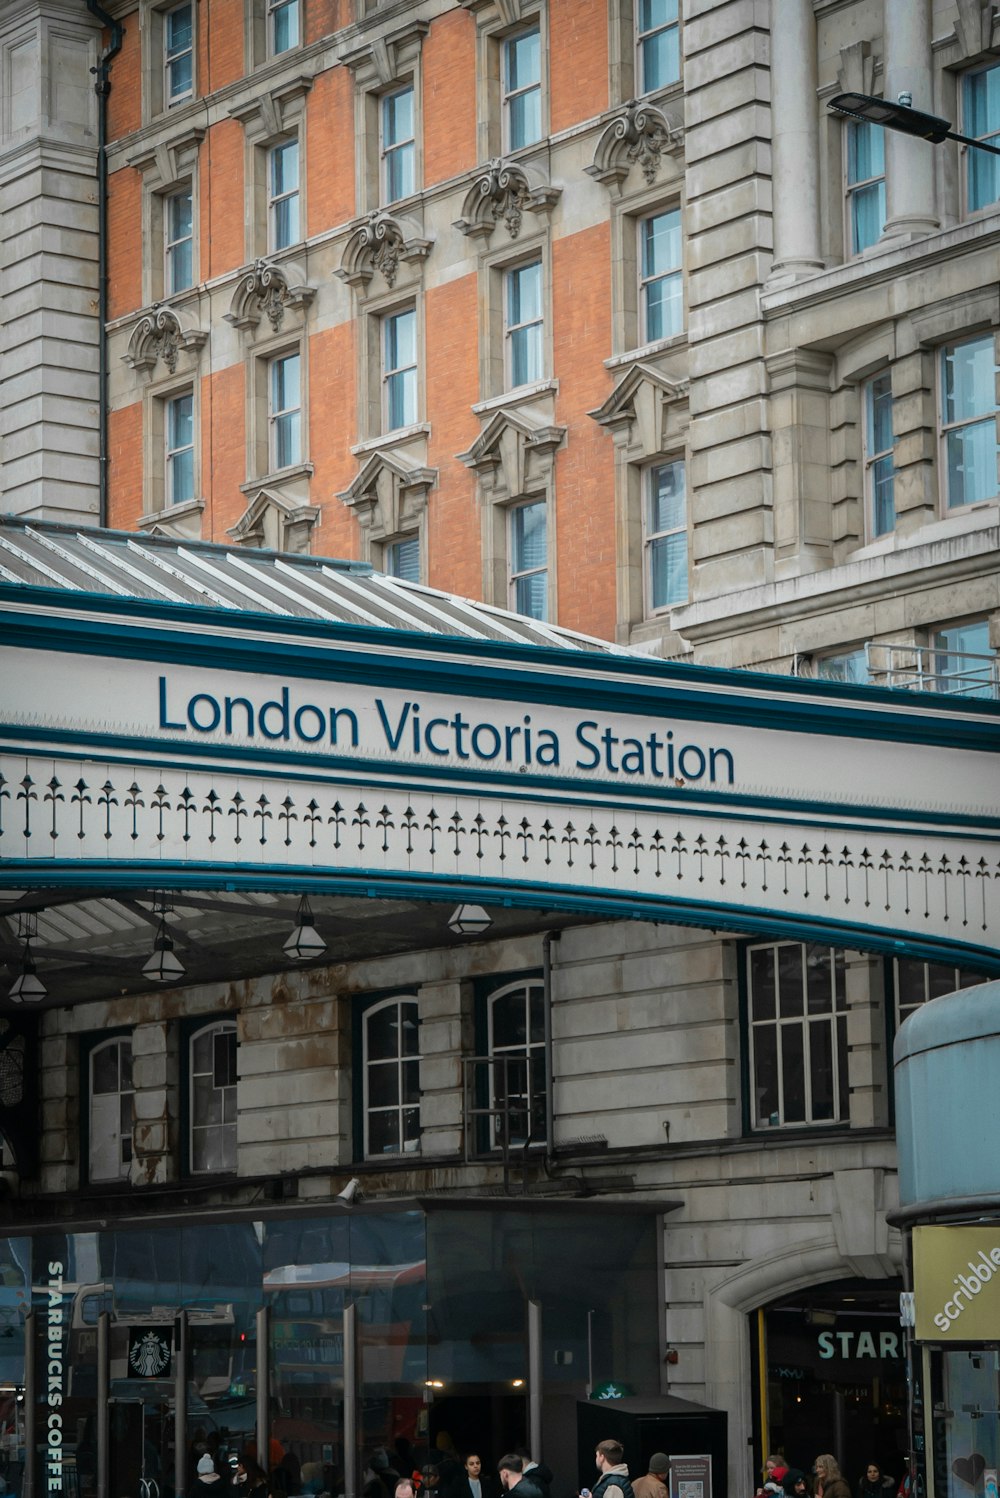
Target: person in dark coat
[[207, 1482], [513, 1479], [472, 1481], [829, 1478], [875, 1484], [536, 1472]]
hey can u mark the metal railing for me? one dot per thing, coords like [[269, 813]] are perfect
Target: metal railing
[[923, 668]]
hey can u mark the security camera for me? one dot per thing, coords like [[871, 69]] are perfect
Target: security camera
[[351, 1192]]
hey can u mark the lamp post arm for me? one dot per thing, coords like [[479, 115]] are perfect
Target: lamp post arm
[[980, 145]]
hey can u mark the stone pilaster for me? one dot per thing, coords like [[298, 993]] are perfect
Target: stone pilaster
[[909, 163], [800, 416], [154, 1078], [728, 222], [441, 1054], [49, 329], [866, 1040], [914, 428], [795, 141]]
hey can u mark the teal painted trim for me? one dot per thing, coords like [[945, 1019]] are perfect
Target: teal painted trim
[[490, 669], [745, 920], [556, 790]]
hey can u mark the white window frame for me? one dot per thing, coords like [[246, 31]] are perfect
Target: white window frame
[[835, 1018], [278, 199], [274, 10], [109, 1129], [279, 416], [401, 1107], [170, 60], [978, 159], [641, 37], [650, 537], [173, 452], [873, 456], [404, 377], [508, 94], [854, 188], [216, 1028], [403, 149], [533, 327], [947, 428], [172, 247], [673, 273], [532, 1052]]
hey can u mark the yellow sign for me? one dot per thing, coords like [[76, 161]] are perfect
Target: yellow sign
[[956, 1282]]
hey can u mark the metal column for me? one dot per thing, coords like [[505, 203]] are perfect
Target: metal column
[[350, 1432], [180, 1402], [103, 1412], [263, 1391], [535, 1379], [30, 1408]]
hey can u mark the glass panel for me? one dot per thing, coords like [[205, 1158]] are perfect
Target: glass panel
[[410, 1029], [285, 168], [531, 596], [792, 1075], [286, 26], [382, 1032], [201, 1051], [224, 1059], [765, 1077], [181, 421], [105, 1068], [288, 439], [972, 463], [969, 380], [661, 243], [762, 984], [509, 1020], [526, 355], [819, 992], [523, 60], [402, 389], [667, 497], [668, 570], [411, 1081], [383, 1133], [656, 13], [525, 293], [397, 117], [910, 978], [528, 532], [401, 340], [399, 173], [821, 1065], [867, 216], [852, 667], [206, 1101], [664, 307], [981, 118], [383, 1084], [411, 1128], [883, 496], [403, 559], [661, 62], [536, 1013], [790, 994], [865, 151]]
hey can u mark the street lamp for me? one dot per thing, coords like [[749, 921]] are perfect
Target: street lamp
[[904, 118]]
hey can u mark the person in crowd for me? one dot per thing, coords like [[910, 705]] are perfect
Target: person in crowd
[[875, 1484], [795, 1484], [829, 1478], [654, 1484], [512, 1478], [404, 1488], [249, 1479], [207, 1480], [613, 1481], [472, 1481], [538, 1472]]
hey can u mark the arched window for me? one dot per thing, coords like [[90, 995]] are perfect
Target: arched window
[[516, 1018], [212, 1138], [392, 1077], [111, 1110]]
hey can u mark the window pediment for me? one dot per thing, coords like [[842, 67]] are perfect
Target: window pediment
[[384, 59], [641, 134], [390, 494], [269, 290], [514, 453], [977, 27], [273, 113], [646, 408], [169, 161], [162, 334], [275, 521], [505, 191], [381, 243]]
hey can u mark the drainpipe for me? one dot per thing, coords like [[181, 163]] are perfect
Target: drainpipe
[[102, 88], [547, 940]]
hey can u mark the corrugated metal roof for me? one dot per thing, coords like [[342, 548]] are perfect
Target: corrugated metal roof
[[162, 569]]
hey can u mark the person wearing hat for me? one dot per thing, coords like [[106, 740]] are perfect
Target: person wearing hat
[[654, 1484], [207, 1479]]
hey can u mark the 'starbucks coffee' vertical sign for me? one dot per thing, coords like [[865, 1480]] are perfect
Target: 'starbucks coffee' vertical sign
[[52, 1303]]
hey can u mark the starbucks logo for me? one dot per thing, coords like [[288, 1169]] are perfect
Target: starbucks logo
[[149, 1354]]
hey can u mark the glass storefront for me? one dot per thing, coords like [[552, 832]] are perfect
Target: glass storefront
[[836, 1378], [965, 1419], [440, 1302]]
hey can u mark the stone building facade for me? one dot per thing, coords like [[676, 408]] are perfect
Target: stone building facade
[[594, 312]]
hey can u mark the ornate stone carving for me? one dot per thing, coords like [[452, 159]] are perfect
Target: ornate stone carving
[[161, 334], [640, 133], [381, 243], [276, 522], [514, 453], [503, 191], [268, 290]]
